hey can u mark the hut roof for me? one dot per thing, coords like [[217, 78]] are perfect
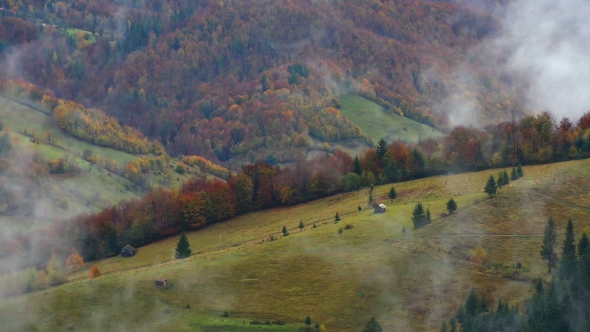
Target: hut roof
[[128, 247]]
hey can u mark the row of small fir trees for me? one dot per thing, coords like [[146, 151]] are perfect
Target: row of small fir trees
[[492, 186]]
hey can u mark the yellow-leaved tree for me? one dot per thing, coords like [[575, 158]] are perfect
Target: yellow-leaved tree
[[74, 260], [479, 255]]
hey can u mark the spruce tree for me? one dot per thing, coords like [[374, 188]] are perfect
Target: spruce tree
[[451, 206], [373, 326], [444, 327], [583, 245], [307, 321], [505, 179], [548, 247], [301, 225], [514, 174], [337, 217], [471, 305], [390, 168], [419, 216], [392, 194], [491, 188], [285, 231], [500, 181], [381, 149], [428, 216], [453, 325], [183, 249], [357, 166], [519, 171], [568, 257]]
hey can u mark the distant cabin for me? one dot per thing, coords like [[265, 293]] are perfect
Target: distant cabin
[[161, 282], [128, 251], [380, 208]]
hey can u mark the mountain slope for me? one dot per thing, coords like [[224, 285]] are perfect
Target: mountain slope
[[221, 79], [373, 119], [409, 283]]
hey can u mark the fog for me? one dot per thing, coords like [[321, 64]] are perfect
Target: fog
[[547, 42]]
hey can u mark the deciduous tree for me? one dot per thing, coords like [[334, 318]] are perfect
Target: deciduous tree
[[74, 260], [95, 273]]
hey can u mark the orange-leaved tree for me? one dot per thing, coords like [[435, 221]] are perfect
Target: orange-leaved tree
[[74, 260], [94, 273]]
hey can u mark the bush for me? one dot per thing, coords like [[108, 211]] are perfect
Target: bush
[[348, 226]]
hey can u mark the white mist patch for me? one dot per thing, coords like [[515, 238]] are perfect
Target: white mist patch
[[547, 42]]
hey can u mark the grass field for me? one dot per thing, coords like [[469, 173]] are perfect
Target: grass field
[[92, 189], [409, 282], [374, 121]]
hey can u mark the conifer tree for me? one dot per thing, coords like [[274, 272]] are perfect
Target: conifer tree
[[392, 194], [419, 216], [500, 181], [514, 175], [491, 188], [307, 321], [506, 178], [568, 257], [381, 149], [471, 305], [453, 325], [519, 171], [583, 245], [548, 247], [373, 326], [357, 166], [444, 327], [451, 206], [301, 225], [285, 231], [390, 168], [337, 217], [183, 249], [340, 231], [428, 216]]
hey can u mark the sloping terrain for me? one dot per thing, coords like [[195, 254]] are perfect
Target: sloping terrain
[[258, 78], [377, 124], [409, 282]]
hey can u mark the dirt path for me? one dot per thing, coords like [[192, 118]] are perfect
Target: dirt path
[[483, 235]]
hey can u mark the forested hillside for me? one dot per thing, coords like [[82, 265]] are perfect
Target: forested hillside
[[226, 78]]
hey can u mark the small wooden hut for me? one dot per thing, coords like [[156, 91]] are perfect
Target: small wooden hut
[[128, 251], [380, 208], [161, 283]]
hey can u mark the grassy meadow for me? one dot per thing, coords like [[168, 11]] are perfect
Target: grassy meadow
[[93, 189], [374, 121], [410, 282]]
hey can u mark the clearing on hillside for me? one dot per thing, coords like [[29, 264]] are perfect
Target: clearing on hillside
[[375, 122], [410, 282]]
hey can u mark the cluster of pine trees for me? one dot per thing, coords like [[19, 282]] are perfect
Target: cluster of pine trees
[[558, 306]]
